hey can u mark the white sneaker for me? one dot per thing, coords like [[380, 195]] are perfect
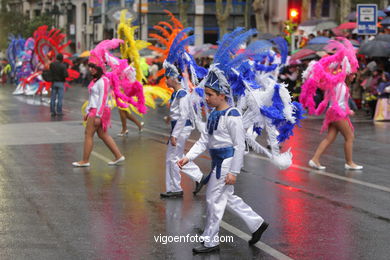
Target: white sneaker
[[142, 127], [117, 161], [315, 166], [77, 164], [357, 167]]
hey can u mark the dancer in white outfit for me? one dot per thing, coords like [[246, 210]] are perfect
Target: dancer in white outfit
[[181, 123], [226, 142]]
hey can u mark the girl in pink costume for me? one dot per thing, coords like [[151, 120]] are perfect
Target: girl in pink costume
[[329, 75], [98, 111]]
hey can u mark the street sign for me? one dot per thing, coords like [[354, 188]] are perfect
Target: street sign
[[367, 17]]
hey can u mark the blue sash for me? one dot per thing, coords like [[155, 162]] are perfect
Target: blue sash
[[173, 123], [217, 157]]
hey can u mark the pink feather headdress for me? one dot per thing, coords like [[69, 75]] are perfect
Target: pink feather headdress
[[99, 53]]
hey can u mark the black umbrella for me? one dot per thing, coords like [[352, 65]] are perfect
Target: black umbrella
[[375, 48]]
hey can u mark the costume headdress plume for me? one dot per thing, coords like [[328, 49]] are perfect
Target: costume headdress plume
[[167, 32], [130, 48], [220, 71], [179, 59], [326, 74], [265, 104]]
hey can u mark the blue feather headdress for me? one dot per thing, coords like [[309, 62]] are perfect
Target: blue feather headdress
[[15, 49], [221, 76], [179, 59]]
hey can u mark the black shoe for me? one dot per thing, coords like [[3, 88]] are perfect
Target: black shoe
[[171, 194], [257, 235], [202, 249], [60, 114], [199, 185], [53, 114]]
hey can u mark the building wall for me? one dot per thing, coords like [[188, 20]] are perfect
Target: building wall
[[83, 20]]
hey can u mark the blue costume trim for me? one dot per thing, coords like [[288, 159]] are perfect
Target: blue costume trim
[[173, 124], [217, 158], [179, 94], [213, 120]]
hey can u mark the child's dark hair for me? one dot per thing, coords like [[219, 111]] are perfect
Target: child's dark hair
[[99, 71], [218, 93]]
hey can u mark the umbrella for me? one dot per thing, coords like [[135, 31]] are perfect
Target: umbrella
[[338, 32], [310, 57], [302, 53], [206, 53], [387, 10], [346, 26], [265, 36], [319, 40], [315, 47], [355, 43], [325, 25], [375, 48], [85, 54], [381, 14], [311, 26], [383, 37], [386, 21]]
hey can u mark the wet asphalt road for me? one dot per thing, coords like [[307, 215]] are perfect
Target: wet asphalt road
[[50, 210]]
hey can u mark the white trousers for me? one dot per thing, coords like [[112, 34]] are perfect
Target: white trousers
[[220, 196], [172, 171]]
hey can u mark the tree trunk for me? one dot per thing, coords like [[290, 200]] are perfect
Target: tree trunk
[[183, 7], [319, 5], [247, 15], [345, 9], [259, 10], [305, 10], [223, 16]]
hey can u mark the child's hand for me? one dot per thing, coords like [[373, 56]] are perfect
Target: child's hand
[[352, 113], [183, 161], [230, 179], [167, 119], [173, 141], [85, 117]]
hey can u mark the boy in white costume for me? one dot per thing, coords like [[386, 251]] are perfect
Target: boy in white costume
[[181, 128], [225, 140]]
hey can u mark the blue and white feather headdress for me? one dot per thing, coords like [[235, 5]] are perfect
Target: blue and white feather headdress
[[221, 76], [179, 59]]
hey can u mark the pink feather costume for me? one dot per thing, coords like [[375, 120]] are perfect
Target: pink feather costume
[[117, 80], [329, 74]]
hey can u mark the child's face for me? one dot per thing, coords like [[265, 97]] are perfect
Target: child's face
[[172, 82], [214, 99]]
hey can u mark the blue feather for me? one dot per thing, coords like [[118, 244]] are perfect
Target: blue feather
[[283, 48]]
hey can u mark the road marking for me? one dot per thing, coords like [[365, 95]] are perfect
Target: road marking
[[262, 246], [101, 157], [310, 170]]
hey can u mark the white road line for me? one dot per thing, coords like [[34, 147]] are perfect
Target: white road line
[[262, 246], [323, 173], [101, 157]]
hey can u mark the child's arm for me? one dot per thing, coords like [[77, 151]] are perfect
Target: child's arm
[[237, 134], [182, 97]]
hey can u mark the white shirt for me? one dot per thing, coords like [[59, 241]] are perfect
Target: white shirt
[[179, 111], [98, 95], [229, 133]]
